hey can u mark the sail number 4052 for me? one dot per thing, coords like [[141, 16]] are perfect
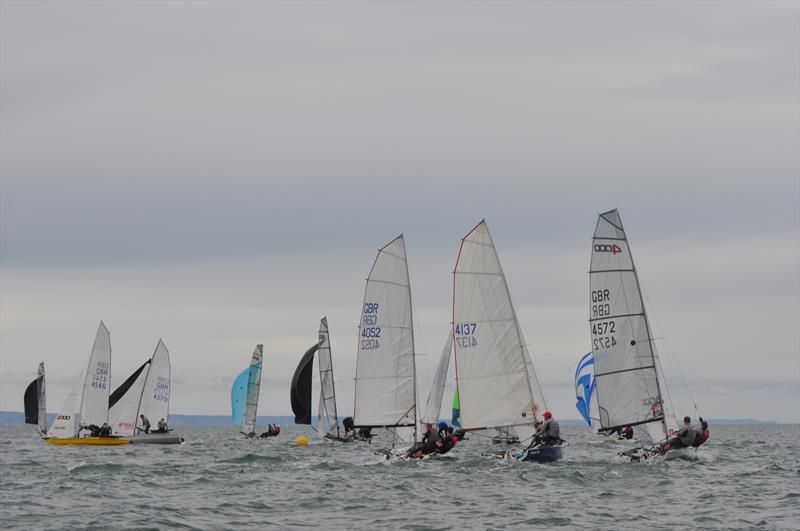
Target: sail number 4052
[[465, 335]]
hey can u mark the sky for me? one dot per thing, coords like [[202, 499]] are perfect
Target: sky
[[222, 174]]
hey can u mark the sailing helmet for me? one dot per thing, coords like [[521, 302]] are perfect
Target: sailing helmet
[[547, 414], [442, 425]]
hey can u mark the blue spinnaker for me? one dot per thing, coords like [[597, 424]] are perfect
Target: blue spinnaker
[[584, 386], [239, 397]]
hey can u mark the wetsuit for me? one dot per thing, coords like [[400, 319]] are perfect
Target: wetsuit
[[447, 444]]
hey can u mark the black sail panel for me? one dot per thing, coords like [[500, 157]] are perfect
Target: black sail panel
[[120, 391], [301, 388], [32, 403]]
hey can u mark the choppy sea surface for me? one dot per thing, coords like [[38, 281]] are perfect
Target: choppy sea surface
[[746, 477]]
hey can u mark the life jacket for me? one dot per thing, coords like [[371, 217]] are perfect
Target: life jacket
[[701, 438], [277, 430]]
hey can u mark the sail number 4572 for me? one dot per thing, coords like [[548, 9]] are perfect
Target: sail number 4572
[[465, 335]]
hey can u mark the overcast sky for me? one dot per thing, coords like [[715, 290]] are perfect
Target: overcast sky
[[222, 174]]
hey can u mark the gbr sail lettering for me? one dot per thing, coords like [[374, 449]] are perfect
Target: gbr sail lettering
[[603, 331], [100, 376], [465, 335], [370, 332]]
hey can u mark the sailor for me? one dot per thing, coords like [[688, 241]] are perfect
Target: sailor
[[145, 424], [683, 438], [448, 441], [162, 426], [627, 433], [430, 436], [105, 430], [349, 429], [702, 435], [548, 432], [442, 426], [94, 430]]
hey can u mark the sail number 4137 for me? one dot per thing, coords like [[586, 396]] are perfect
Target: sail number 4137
[[465, 335]]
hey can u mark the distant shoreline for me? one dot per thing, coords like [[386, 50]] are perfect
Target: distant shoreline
[[177, 420]]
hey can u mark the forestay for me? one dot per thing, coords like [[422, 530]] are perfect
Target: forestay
[[433, 407], [385, 390], [627, 386], [327, 390], [494, 375], [94, 400]]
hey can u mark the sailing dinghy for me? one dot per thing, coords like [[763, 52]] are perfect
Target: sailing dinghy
[[145, 392], [496, 383], [35, 404], [93, 403], [385, 386], [244, 395], [300, 393], [629, 386]]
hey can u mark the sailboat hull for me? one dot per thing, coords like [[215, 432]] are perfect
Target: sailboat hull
[[88, 441], [155, 438], [541, 454]]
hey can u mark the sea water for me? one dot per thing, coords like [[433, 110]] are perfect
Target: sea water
[[745, 477]]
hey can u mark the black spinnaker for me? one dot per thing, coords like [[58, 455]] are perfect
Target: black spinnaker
[[120, 391], [300, 393]]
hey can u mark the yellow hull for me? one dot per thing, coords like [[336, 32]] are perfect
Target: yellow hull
[[93, 441]]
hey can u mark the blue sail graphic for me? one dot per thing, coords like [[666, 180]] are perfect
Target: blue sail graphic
[[239, 396], [584, 386]]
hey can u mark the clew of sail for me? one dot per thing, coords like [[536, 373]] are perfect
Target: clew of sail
[[65, 426], [433, 407], [385, 389], [496, 385], [155, 396], [627, 389], [96, 386], [327, 391], [34, 401]]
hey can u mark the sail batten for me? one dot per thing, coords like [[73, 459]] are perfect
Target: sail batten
[[385, 386]]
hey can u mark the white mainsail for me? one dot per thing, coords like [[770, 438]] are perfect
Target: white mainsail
[[385, 390], [433, 407], [94, 400], [327, 390], [65, 426], [155, 397], [494, 374], [253, 388], [628, 389]]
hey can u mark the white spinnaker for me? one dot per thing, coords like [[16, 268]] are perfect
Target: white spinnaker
[[124, 414], [385, 391], [42, 403], [94, 400], [65, 426], [433, 408], [327, 390], [496, 386], [627, 386], [155, 398], [253, 388]]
